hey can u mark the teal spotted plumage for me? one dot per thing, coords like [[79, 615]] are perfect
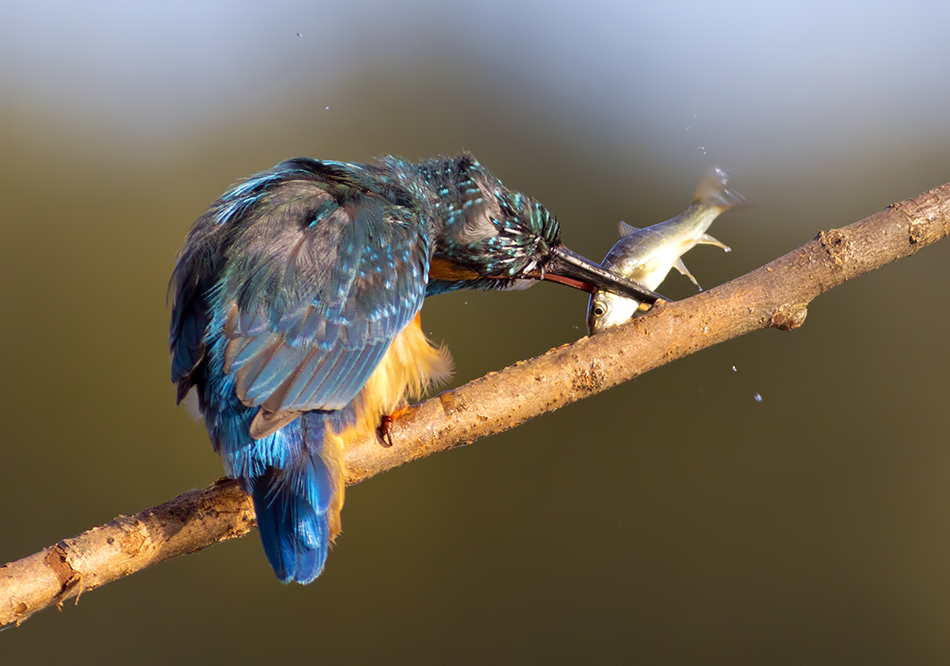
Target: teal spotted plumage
[[295, 303]]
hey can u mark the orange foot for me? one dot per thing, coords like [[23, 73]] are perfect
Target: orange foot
[[385, 429]]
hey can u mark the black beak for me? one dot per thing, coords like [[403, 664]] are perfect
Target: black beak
[[568, 267]]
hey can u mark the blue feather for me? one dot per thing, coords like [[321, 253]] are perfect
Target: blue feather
[[284, 300], [295, 536], [290, 289]]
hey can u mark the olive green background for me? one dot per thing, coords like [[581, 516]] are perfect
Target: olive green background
[[673, 519]]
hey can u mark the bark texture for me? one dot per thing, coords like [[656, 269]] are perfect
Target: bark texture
[[774, 296]]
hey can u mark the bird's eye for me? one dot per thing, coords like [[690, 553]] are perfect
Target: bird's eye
[[600, 309]]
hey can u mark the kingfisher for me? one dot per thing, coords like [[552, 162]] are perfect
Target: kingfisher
[[295, 317]]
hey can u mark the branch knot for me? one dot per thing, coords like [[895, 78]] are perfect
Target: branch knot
[[789, 317], [836, 244]]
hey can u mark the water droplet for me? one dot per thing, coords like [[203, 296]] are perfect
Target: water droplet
[[757, 397], [299, 34], [734, 369], [326, 108]]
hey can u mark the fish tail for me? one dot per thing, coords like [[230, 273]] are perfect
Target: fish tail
[[714, 191]]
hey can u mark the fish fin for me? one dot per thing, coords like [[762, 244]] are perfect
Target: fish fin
[[714, 190], [706, 239], [625, 229], [681, 267]]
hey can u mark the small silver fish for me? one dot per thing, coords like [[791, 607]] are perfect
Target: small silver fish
[[647, 255]]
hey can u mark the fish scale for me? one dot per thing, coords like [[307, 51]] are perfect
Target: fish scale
[[647, 255]]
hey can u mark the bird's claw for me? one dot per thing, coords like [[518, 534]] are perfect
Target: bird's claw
[[385, 429]]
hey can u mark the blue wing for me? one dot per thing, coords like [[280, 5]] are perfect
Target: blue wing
[[287, 294], [310, 277]]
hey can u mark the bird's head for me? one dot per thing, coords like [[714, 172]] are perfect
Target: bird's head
[[486, 236]]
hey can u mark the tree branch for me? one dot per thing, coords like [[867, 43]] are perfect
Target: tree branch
[[774, 296]]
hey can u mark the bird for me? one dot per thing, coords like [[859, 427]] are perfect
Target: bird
[[295, 317]]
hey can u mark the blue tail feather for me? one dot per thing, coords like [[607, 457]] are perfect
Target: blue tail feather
[[290, 483], [295, 532]]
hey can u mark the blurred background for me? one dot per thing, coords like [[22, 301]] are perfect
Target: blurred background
[[673, 519]]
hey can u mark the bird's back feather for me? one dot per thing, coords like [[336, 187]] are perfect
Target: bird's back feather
[[287, 298]]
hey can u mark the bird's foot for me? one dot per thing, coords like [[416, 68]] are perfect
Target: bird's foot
[[385, 429]]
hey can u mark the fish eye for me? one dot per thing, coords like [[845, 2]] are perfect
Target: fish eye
[[600, 309]]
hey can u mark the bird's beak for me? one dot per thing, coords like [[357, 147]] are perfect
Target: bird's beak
[[568, 267]]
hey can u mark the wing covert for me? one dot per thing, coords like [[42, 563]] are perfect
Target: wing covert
[[313, 307], [296, 281]]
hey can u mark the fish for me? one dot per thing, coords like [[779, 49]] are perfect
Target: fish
[[646, 255]]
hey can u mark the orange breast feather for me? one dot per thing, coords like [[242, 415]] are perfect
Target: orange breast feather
[[411, 365]]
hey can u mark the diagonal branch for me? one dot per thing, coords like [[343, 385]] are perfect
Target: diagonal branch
[[773, 296]]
